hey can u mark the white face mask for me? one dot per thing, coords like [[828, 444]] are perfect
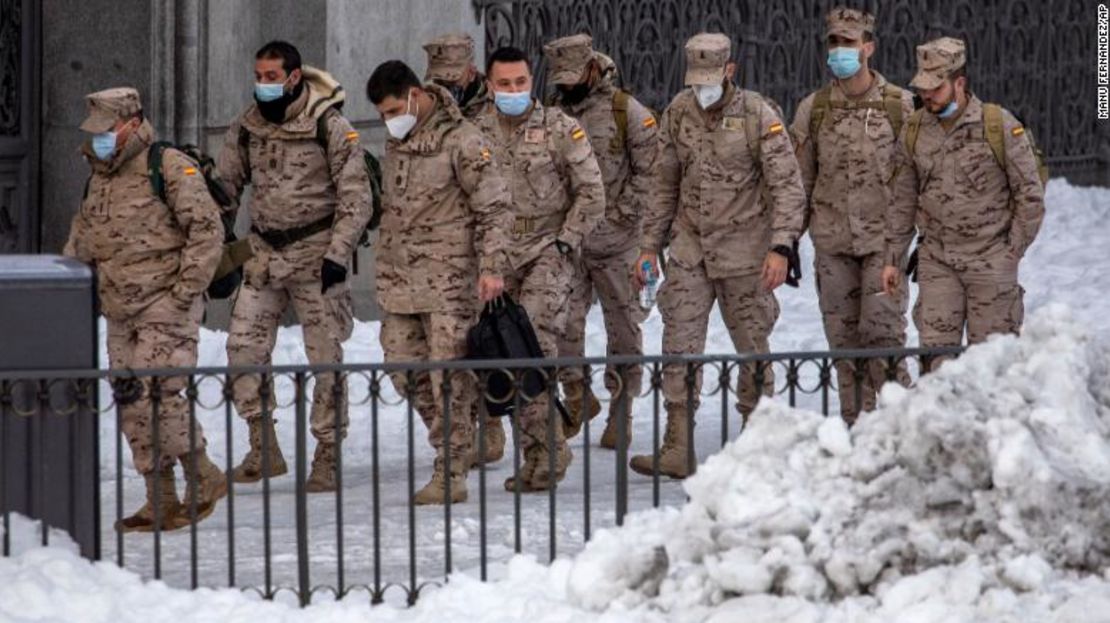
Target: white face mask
[[708, 94], [400, 126]]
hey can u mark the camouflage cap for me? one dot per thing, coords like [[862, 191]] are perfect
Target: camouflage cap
[[706, 57], [449, 56], [109, 106], [567, 58], [849, 23], [936, 60]]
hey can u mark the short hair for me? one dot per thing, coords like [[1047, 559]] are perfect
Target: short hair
[[868, 37], [391, 78], [288, 54], [506, 54], [960, 72]]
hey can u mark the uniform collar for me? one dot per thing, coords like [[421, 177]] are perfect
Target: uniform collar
[[137, 142], [873, 93]]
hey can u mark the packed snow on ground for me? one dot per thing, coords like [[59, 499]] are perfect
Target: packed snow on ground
[[981, 494]]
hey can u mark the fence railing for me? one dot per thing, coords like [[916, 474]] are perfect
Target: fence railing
[[368, 536]]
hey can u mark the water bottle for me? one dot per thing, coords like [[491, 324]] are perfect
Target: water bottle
[[651, 286]]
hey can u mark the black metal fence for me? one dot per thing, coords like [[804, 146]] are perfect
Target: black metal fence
[[1036, 58], [368, 536]]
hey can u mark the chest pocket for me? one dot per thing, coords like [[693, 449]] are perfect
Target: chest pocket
[[535, 165], [731, 147], [267, 160], [976, 162]]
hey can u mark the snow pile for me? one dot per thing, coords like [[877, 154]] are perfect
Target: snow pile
[[981, 494]]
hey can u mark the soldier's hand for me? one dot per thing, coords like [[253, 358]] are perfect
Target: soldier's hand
[[892, 278], [775, 267], [490, 287], [331, 274], [638, 270]]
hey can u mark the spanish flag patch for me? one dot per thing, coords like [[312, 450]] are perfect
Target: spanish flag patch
[[775, 128], [578, 134], [1018, 131], [352, 136], [649, 122], [190, 171]]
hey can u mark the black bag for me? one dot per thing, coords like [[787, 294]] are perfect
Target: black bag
[[505, 332]]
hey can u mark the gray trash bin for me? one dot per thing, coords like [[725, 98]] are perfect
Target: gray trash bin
[[49, 459]]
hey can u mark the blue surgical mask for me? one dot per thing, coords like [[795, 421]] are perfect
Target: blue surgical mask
[[512, 104], [949, 110], [844, 62], [104, 145], [264, 92]]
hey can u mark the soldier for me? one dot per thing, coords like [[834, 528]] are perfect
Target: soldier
[[441, 251], [845, 135], [968, 177], [720, 147], [623, 133], [154, 256], [451, 65], [310, 202], [557, 198]]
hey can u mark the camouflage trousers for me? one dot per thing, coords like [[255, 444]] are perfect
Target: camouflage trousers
[[620, 306], [326, 322], [433, 337], [541, 286], [685, 301], [858, 315], [160, 336], [983, 299]]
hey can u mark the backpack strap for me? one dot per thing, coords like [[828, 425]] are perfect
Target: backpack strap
[[752, 121], [245, 150], [818, 110], [892, 101], [992, 131], [154, 168], [913, 128], [620, 117], [322, 128]]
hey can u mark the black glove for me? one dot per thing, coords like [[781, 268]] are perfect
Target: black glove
[[331, 274], [563, 247], [793, 261]]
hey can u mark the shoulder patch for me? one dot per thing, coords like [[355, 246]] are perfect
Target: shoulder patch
[[1018, 131], [189, 170], [578, 134], [649, 122], [352, 136], [775, 128]]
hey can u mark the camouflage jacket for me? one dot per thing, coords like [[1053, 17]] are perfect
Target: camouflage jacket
[[554, 178], [141, 247], [847, 168], [709, 199], [968, 207], [295, 182], [446, 215], [626, 166]]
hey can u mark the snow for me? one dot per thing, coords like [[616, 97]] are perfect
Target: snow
[[979, 495]]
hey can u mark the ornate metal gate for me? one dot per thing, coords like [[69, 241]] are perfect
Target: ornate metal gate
[[1035, 57], [19, 125]]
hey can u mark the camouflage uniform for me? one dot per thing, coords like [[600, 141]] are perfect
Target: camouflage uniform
[[446, 219], [846, 167], [709, 204], [558, 194], [295, 182], [449, 56], [626, 163], [977, 218], [153, 259]]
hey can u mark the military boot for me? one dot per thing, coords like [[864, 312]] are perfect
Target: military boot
[[609, 436], [672, 456], [434, 491], [572, 400], [210, 483], [495, 443], [322, 476], [250, 469], [169, 507], [536, 474]]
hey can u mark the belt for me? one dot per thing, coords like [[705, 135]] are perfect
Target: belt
[[281, 238], [527, 225]]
